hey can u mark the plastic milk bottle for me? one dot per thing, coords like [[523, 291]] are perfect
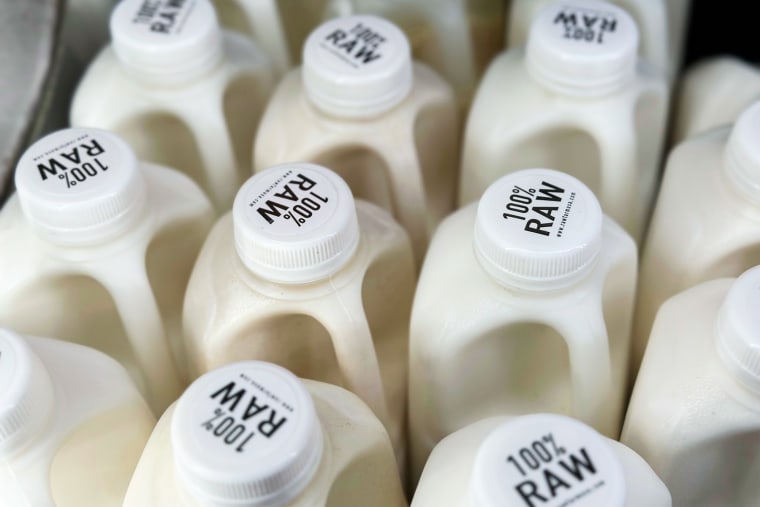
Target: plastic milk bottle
[[579, 103], [72, 425], [251, 433], [457, 38], [695, 410], [301, 275], [97, 249], [540, 318], [180, 91], [359, 106], [706, 223], [713, 93], [661, 23], [533, 461]]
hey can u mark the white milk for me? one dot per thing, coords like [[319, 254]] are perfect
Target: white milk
[[535, 316], [706, 223], [695, 410], [359, 106], [661, 23], [180, 91], [97, 249], [536, 460], [713, 93], [457, 38], [253, 434], [301, 276], [72, 425], [581, 106], [262, 21]]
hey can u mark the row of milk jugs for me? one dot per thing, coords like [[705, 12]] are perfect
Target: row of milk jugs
[[85, 224], [524, 305], [576, 97]]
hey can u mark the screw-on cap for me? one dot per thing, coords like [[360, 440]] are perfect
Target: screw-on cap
[[738, 328], [26, 394], [582, 47], [295, 223], [166, 41], [357, 66], [80, 185], [537, 229], [246, 434], [520, 457], [742, 152]]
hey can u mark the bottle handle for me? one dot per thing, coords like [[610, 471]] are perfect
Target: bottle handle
[[591, 371], [137, 306], [207, 123], [356, 355]]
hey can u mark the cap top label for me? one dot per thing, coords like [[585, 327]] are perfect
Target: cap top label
[[290, 202], [163, 17], [69, 162], [547, 460], [244, 415], [585, 25]]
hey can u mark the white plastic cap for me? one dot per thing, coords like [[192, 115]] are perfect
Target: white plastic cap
[[738, 328], [537, 229], [246, 434], [519, 462], [357, 66], [166, 41], [582, 47], [742, 152], [80, 186], [295, 223], [26, 394]]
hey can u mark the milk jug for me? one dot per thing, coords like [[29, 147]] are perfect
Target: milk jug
[[535, 317], [574, 99], [713, 93], [457, 38], [706, 223], [661, 24], [300, 275], [251, 433], [72, 425], [695, 410], [97, 249], [536, 460], [359, 106], [180, 91], [262, 21]]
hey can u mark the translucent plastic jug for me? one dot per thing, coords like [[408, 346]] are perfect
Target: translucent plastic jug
[[180, 91], [524, 304], [72, 425], [97, 248]]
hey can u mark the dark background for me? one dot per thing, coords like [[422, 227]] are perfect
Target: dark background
[[723, 27]]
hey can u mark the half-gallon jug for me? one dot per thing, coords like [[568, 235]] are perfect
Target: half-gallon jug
[[583, 105], [301, 275], [524, 304], [180, 91], [534, 461], [97, 249], [706, 222], [661, 25], [72, 425], [695, 410], [252, 434], [713, 93], [359, 106], [457, 38]]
